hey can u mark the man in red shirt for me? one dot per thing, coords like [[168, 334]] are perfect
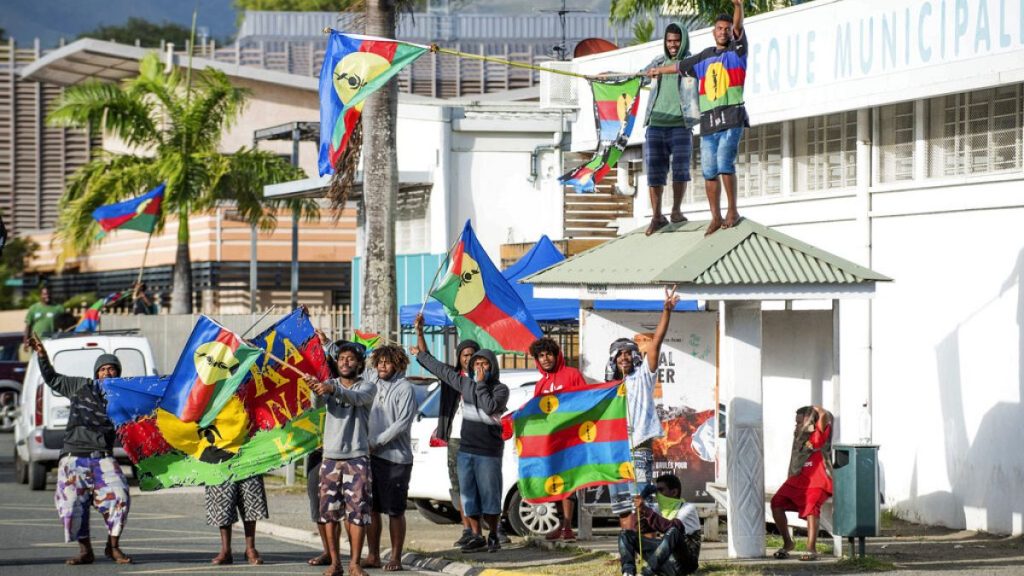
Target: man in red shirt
[[810, 478], [555, 376]]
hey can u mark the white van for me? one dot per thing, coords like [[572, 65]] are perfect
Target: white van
[[43, 414]]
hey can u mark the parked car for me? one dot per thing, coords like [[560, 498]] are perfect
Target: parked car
[[12, 373], [43, 414], [429, 485]]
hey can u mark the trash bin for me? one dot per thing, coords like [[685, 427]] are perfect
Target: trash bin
[[855, 495]]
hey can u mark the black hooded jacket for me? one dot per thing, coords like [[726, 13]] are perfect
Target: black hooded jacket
[[89, 429], [450, 397], [483, 403]]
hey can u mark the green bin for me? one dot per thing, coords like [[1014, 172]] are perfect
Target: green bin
[[855, 495]]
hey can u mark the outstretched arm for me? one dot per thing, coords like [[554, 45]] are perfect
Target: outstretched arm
[[737, 18], [421, 341], [671, 299]]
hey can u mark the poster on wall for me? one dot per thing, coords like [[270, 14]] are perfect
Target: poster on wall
[[685, 390]]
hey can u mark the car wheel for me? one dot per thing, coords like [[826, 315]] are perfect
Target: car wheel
[[531, 519], [20, 470], [8, 406], [36, 475], [438, 512]]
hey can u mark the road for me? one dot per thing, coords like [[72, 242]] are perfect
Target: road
[[166, 534]]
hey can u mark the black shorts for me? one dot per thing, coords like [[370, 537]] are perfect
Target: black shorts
[[390, 486]]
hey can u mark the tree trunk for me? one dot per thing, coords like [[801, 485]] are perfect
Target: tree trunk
[[378, 310], [181, 289]]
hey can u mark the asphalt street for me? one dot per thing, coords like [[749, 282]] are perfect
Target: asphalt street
[[166, 534]]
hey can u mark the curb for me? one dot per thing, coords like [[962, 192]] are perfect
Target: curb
[[293, 534]]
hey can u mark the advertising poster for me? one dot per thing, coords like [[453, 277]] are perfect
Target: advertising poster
[[684, 393]]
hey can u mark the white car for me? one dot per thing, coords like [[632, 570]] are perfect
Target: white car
[[429, 485], [43, 414]]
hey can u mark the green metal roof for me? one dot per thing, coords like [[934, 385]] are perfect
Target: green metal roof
[[747, 254]]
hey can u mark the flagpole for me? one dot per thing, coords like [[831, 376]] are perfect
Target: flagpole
[[437, 273], [258, 320], [145, 254]]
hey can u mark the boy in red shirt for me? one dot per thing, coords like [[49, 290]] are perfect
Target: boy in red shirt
[[810, 478]]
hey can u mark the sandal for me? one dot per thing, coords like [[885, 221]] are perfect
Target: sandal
[[321, 560], [781, 554], [809, 557], [676, 218]]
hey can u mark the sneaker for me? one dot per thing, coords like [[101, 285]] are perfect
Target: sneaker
[[467, 535], [568, 535], [475, 544], [493, 543], [554, 536], [502, 536]]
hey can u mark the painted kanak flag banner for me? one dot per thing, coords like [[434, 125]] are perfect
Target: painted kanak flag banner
[[141, 213], [572, 440], [615, 108], [213, 364], [354, 67], [266, 423], [481, 302]]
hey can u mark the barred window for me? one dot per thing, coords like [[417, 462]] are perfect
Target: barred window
[[896, 142], [759, 162], [975, 132], [826, 152]]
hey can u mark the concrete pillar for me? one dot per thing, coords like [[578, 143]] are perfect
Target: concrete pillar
[[741, 375]]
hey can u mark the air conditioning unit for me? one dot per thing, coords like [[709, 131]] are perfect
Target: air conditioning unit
[[558, 90]]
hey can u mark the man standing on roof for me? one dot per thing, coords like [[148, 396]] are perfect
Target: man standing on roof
[[721, 71], [670, 118], [555, 376], [87, 474], [484, 401], [640, 373]]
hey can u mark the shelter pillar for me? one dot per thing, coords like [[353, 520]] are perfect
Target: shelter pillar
[[741, 378]]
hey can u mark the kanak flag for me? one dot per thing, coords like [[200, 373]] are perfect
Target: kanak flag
[[615, 108], [481, 302], [141, 213], [212, 365]]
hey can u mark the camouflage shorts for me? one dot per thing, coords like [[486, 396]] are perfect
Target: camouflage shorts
[[345, 491]]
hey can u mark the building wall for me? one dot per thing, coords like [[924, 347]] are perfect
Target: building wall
[[896, 142]]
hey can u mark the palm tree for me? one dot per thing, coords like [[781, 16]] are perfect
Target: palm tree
[[173, 131]]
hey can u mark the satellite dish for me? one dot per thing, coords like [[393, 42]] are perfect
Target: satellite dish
[[593, 46]]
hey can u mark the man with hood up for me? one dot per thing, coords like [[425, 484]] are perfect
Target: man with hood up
[[87, 473], [391, 417], [484, 400], [555, 376], [671, 114], [449, 421]]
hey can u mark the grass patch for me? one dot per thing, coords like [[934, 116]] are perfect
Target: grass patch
[[865, 564], [596, 565], [773, 542], [727, 569], [889, 518]]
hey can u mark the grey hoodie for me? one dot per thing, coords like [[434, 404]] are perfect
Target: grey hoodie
[[483, 403], [686, 85], [348, 415], [391, 417]]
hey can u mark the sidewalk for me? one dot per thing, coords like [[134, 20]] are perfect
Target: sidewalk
[[902, 547]]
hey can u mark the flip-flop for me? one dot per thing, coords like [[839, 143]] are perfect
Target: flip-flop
[[809, 557], [321, 560], [393, 567], [681, 218], [781, 554]]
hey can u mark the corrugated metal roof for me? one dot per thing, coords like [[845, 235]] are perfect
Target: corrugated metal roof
[[747, 254]]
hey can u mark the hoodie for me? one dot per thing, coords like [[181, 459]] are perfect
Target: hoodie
[[346, 426], [450, 397], [560, 379], [483, 403], [89, 429], [687, 87], [391, 417]]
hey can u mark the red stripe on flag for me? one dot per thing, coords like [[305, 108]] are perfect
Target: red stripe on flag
[[456, 267], [351, 117], [109, 224], [608, 110], [736, 77], [546, 445], [509, 332], [384, 49], [153, 206]]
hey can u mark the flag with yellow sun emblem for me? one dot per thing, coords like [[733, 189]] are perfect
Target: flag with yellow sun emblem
[[572, 440]]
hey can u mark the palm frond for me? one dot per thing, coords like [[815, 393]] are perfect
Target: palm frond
[[106, 106], [242, 181]]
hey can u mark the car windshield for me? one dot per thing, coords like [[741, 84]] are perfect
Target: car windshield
[[9, 350], [431, 407], [80, 362]]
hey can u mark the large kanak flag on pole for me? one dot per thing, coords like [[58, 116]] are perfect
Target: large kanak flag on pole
[[141, 213], [481, 302]]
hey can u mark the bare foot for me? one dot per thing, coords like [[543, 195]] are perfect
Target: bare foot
[[83, 558], [677, 217], [394, 566], [116, 555], [731, 219], [321, 560], [713, 227], [334, 570], [657, 223], [253, 557], [223, 558], [356, 570], [370, 562]]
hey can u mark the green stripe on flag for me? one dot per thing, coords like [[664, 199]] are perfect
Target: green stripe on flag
[[569, 480], [733, 96], [246, 356], [142, 223], [545, 424], [405, 54]]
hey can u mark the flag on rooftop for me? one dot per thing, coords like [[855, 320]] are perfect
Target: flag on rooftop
[[140, 213], [615, 107]]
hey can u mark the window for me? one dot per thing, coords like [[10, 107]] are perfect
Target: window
[[975, 132], [826, 152], [759, 162], [896, 142], [132, 362], [76, 362]]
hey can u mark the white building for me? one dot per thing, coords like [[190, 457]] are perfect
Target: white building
[[891, 133]]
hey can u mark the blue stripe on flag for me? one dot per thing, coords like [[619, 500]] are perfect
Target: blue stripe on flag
[[573, 457], [579, 400]]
